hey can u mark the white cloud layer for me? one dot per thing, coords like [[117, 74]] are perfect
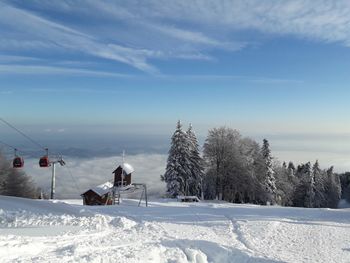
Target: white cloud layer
[[87, 173]]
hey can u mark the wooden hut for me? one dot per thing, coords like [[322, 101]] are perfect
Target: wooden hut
[[122, 174], [98, 195], [101, 194]]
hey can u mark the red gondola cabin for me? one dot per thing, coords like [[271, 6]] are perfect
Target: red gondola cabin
[[44, 161], [18, 162]]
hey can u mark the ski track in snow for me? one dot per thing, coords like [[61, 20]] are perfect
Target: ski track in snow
[[168, 231]]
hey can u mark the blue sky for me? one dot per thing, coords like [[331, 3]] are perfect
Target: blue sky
[[275, 69]]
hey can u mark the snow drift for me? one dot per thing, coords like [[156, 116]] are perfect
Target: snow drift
[[168, 231]]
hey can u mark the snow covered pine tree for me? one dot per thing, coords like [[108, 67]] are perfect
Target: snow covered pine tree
[[333, 188], [310, 186], [178, 170], [319, 181], [270, 180], [195, 184]]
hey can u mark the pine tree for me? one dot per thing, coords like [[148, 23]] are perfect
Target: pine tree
[[310, 186], [196, 164], [270, 181], [291, 169], [304, 191], [333, 189], [318, 177], [284, 166], [285, 184], [178, 170]]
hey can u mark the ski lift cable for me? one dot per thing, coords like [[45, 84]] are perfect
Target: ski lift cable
[[12, 147], [37, 144], [8, 145], [74, 181], [23, 134], [44, 161], [27, 137]]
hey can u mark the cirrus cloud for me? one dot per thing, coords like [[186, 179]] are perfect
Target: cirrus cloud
[[134, 34]]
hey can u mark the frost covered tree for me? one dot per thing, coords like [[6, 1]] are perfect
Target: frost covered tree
[[197, 170], [14, 182], [250, 157], [269, 178], [301, 187], [319, 181], [232, 167], [310, 186], [346, 194], [345, 185], [304, 195], [220, 149], [238, 170], [291, 169], [178, 170], [316, 187], [284, 166], [4, 170], [333, 188], [285, 184]]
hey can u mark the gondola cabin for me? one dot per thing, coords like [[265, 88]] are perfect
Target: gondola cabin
[[98, 195], [18, 162], [44, 161], [122, 175]]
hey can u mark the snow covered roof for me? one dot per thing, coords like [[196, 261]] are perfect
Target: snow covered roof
[[128, 169], [102, 189]]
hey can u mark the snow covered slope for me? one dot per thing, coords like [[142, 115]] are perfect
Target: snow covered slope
[[168, 231]]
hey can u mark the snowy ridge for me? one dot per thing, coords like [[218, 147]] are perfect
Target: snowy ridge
[[168, 231]]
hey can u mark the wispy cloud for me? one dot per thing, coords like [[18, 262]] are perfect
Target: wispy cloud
[[20, 44], [136, 35], [32, 31], [14, 59], [71, 39], [321, 20], [12, 69], [118, 12], [241, 78]]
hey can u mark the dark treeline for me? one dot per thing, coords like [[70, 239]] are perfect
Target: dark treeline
[[240, 170], [14, 182], [345, 186]]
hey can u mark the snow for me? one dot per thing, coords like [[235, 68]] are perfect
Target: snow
[[128, 169], [170, 231], [187, 198], [102, 189]]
